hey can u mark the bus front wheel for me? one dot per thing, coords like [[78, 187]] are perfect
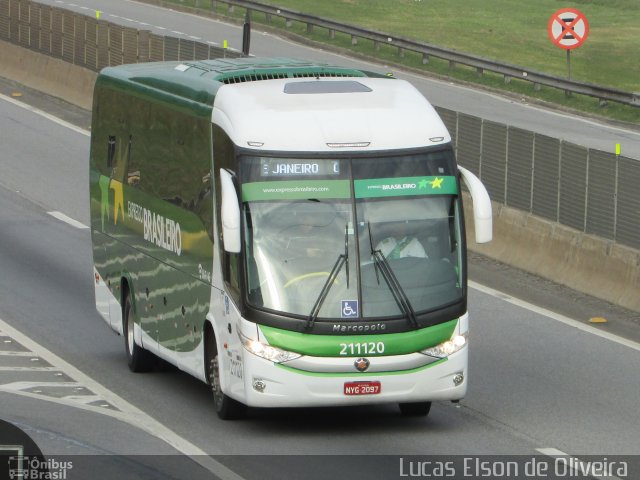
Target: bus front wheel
[[138, 359], [417, 409], [226, 407]]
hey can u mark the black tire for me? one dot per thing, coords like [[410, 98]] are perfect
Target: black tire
[[226, 407], [417, 409], [138, 359]]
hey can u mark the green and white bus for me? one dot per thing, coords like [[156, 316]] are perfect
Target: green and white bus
[[290, 233]]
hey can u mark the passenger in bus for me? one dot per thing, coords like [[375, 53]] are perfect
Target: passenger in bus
[[401, 243]]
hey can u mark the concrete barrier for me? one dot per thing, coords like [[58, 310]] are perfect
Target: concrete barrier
[[47, 74], [583, 262], [586, 263]]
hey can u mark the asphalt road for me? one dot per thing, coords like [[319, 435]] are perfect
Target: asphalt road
[[516, 112], [538, 381]]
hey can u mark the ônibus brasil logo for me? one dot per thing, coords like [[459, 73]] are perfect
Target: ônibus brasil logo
[[22, 459]]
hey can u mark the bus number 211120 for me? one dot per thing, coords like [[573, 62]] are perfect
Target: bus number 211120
[[364, 348]]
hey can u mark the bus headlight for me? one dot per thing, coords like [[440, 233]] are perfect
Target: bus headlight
[[273, 354], [447, 348]]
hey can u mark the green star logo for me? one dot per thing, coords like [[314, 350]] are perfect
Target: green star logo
[[437, 182], [118, 200]]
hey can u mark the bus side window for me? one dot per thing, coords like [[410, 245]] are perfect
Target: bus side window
[[224, 157], [231, 263], [111, 150], [133, 171]]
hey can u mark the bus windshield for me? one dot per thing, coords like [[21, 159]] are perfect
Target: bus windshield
[[352, 238]]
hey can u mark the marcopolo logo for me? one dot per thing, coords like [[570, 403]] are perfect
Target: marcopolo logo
[[21, 458]]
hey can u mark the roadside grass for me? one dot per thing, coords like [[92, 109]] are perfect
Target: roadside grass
[[510, 31]]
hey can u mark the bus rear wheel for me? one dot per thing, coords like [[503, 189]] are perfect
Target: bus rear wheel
[[226, 407], [417, 409], [138, 359]]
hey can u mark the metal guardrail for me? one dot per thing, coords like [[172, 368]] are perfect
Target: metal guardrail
[[589, 190], [592, 191], [604, 94], [91, 43]]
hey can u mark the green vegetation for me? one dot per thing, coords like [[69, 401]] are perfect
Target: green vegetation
[[510, 31]]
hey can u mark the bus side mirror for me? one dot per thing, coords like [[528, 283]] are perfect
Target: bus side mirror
[[230, 213], [481, 206]]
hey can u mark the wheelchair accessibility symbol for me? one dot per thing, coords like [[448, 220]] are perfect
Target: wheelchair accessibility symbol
[[349, 308]]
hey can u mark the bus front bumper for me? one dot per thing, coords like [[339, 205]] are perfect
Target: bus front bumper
[[276, 385]]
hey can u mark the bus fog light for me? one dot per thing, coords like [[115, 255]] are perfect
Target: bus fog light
[[458, 378], [259, 385]]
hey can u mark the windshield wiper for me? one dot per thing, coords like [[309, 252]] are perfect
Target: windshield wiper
[[343, 259], [399, 295]]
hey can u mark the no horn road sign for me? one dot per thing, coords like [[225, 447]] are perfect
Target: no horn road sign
[[568, 28]]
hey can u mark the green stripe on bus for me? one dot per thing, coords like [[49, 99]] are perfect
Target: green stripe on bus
[[396, 187], [295, 190], [359, 345], [359, 374]]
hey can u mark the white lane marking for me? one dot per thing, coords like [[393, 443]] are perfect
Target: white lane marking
[[43, 390], [69, 401], [577, 466], [28, 369], [87, 399], [44, 387], [128, 412], [555, 316], [37, 387], [44, 114], [62, 217], [24, 386], [552, 452]]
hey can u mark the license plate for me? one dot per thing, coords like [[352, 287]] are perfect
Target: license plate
[[362, 388]]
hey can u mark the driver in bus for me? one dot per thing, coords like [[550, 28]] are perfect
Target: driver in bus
[[401, 244], [318, 233]]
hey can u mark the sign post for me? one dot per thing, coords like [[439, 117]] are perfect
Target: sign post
[[568, 28]]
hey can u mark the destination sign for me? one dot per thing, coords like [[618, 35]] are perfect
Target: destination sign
[[294, 167]]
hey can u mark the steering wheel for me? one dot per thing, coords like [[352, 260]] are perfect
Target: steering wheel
[[305, 276]]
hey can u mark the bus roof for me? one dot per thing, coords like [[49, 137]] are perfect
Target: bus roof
[[199, 80], [293, 105], [348, 114]]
